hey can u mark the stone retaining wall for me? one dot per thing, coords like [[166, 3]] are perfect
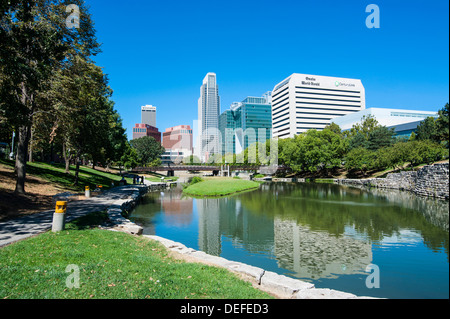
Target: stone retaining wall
[[115, 211], [430, 180]]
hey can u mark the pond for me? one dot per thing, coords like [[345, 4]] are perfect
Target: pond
[[325, 234]]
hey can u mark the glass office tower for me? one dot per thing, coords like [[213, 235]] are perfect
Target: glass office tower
[[246, 123]]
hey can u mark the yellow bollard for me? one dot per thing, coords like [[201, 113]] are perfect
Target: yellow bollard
[[61, 207], [59, 217]]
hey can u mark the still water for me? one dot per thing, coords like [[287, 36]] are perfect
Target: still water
[[322, 233]]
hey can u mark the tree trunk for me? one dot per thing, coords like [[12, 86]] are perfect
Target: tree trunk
[[30, 146], [77, 169], [23, 138], [66, 159]]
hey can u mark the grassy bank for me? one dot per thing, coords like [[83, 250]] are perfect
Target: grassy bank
[[111, 265], [55, 173], [220, 187]]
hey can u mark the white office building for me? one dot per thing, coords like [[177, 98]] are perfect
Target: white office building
[[148, 115], [404, 122], [208, 134], [302, 102]]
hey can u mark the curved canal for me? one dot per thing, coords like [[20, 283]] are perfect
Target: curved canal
[[321, 233]]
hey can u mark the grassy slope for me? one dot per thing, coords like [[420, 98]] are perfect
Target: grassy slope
[[220, 187], [112, 265], [55, 173]]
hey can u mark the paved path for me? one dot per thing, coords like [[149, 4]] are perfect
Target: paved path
[[20, 228]]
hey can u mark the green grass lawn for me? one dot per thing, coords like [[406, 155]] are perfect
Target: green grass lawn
[[220, 187], [111, 265], [55, 173]]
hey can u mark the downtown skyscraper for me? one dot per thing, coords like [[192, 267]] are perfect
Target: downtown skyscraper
[[208, 138]]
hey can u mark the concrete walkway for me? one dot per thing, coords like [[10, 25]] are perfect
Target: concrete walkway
[[31, 225]]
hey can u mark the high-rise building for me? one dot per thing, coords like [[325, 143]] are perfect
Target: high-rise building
[[208, 139], [141, 130], [177, 138], [302, 102], [245, 123], [148, 115]]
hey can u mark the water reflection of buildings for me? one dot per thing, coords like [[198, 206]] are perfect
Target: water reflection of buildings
[[209, 226], [308, 254], [177, 211], [227, 217], [311, 254]]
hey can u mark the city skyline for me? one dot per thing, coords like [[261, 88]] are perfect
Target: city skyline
[[403, 64]]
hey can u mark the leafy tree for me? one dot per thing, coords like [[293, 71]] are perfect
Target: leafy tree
[[147, 148], [383, 158], [418, 152], [289, 153], [380, 137], [34, 42], [360, 159], [357, 141], [83, 109], [395, 156], [334, 128], [427, 130], [129, 159], [367, 125], [443, 125]]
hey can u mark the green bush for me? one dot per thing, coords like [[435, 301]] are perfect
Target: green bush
[[195, 180]]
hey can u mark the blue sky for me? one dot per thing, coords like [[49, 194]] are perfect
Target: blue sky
[[158, 52]]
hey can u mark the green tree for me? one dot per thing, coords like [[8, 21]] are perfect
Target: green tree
[[34, 42], [360, 159], [367, 125], [419, 152], [289, 153], [83, 109], [147, 148], [427, 130], [129, 159], [443, 125], [380, 137], [358, 140]]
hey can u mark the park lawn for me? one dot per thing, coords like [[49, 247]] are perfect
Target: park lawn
[[55, 173], [220, 187], [112, 265]]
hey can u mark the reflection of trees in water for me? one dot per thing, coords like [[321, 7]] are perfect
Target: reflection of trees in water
[[333, 207]]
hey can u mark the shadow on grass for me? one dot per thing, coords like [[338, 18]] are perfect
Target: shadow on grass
[[56, 173], [89, 221]]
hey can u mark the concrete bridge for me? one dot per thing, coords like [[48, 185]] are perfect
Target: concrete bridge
[[222, 170], [197, 168]]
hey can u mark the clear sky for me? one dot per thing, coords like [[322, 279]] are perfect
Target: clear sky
[[158, 52]]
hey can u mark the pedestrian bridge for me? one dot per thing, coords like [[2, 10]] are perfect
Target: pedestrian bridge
[[204, 168], [197, 168]]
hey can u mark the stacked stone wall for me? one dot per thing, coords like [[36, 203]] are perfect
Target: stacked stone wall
[[430, 180]]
